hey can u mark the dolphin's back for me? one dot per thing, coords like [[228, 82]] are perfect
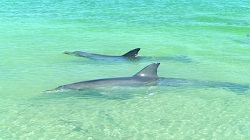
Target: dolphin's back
[[146, 76], [109, 82], [131, 54]]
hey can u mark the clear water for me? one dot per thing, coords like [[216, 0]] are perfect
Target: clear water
[[34, 35]]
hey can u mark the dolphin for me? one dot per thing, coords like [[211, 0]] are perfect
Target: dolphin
[[131, 55], [148, 77]]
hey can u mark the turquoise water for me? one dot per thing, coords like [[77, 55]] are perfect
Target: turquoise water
[[214, 35]]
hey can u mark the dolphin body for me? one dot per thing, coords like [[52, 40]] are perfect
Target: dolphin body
[[148, 77], [131, 55]]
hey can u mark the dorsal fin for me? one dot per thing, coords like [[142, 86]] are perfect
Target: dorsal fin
[[132, 53], [149, 71]]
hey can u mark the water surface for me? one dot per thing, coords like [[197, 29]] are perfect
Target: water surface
[[34, 35]]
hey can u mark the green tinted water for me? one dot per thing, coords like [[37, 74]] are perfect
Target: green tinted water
[[34, 35]]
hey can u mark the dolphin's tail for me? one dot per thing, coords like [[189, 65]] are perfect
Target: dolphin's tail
[[237, 88]]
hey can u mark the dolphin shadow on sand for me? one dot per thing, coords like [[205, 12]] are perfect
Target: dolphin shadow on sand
[[131, 55], [147, 77]]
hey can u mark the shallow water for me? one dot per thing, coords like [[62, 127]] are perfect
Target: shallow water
[[214, 35]]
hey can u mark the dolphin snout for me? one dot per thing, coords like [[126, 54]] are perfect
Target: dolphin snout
[[66, 52]]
